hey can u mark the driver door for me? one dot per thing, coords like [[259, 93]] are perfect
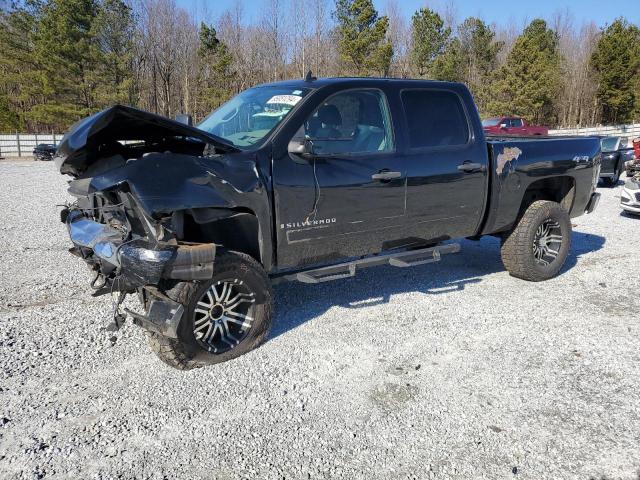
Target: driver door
[[347, 197]]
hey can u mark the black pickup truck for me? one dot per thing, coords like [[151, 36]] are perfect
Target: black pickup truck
[[304, 180], [615, 155]]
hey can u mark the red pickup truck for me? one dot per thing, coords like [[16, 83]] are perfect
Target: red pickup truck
[[511, 126]]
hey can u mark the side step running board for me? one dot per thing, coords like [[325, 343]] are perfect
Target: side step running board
[[409, 258]]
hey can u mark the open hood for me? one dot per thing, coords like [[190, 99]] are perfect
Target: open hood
[[82, 144]]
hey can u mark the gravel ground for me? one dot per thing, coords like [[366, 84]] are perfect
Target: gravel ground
[[452, 370]]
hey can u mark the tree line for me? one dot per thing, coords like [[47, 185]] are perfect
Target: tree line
[[61, 60]]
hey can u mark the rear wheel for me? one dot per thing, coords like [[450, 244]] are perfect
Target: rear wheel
[[224, 317], [612, 181], [538, 246]]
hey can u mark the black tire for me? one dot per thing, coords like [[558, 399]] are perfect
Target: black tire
[[518, 249], [188, 352]]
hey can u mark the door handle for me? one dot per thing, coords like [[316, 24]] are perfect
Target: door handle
[[385, 175], [468, 167]]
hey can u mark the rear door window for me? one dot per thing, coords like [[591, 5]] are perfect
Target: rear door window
[[435, 118]]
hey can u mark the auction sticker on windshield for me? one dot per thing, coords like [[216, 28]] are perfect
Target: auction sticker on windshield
[[284, 99]]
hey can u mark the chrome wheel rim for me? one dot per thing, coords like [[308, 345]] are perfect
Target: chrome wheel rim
[[223, 315], [547, 242]]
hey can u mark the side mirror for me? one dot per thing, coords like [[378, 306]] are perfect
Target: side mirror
[[185, 119], [503, 125], [301, 146]]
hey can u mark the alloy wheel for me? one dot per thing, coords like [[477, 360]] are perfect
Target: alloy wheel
[[223, 315], [547, 242]]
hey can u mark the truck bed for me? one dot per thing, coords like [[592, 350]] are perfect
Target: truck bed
[[525, 164]]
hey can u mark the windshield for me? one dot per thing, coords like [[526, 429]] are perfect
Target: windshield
[[609, 144], [251, 115], [491, 122]]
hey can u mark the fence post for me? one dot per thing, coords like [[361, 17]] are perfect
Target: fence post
[[18, 143]]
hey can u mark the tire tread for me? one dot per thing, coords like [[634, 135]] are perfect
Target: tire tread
[[172, 351], [516, 251]]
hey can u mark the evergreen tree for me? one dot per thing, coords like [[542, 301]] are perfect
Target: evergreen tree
[[361, 37], [17, 68], [63, 59], [616, 61], [9, 119], [471, 58], [429, 37], [65, 52], [529, 83], [449, 66], [215, 74], [113, 29]]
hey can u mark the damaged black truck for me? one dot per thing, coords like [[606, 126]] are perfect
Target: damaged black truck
[[305, 180]]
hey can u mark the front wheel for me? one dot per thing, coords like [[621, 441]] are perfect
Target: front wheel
[[538, 246], [223, 318]]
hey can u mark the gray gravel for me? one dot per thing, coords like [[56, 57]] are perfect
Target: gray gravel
[[452, 370]]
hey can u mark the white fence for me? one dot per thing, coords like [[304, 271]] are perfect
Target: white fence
[[629, 131], [22, 144]]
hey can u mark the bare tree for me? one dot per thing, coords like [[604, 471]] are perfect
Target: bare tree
[[232, 32], [507, 34], [399, 34], [299, 36], [289, 37], [320, 26], [576, 104], [449, 13], [272, 26]]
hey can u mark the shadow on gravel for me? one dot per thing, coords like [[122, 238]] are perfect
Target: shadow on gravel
[[582, 243], [297, 303]]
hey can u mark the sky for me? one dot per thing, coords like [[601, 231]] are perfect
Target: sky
[[501, 12]]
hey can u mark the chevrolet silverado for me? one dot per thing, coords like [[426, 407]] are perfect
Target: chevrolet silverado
[[307, 180]]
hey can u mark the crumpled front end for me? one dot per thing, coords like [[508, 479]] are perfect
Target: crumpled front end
[[153, 199], [108, 232], [135, 262]]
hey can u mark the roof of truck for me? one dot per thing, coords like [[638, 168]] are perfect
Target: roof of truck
[[323, 82]]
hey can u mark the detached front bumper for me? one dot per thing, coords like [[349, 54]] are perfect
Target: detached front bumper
[[138, 265], [137, 262]]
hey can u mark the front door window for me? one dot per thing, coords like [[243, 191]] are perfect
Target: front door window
[[352, 122]]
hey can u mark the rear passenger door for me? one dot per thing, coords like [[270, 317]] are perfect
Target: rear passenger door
[[446, 163]]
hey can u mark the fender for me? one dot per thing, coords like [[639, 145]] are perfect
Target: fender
[[165, 183]]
